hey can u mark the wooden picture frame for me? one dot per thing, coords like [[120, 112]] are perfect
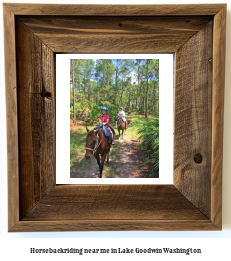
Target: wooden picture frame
[[33, 34]]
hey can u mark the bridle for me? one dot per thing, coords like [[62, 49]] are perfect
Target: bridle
[[96, 145]]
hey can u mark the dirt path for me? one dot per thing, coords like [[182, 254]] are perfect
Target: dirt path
[[128, 160], [125, 161]]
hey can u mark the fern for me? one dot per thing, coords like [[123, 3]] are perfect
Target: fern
[[149, 137]]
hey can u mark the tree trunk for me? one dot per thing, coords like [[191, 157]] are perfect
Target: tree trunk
[[137, 89], [121, 96], [73, 86], [108, 82], [129, 100], [84, 86], [89, 88], [115, 90], [141, 92], [146, 105], [154, 99]]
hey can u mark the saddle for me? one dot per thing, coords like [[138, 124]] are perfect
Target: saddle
[[112, 128], [109, 139]]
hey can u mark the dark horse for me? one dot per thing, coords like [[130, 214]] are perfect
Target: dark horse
[[120, 125], [97, 144]]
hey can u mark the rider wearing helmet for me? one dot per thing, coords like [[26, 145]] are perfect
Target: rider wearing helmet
[[104, 120], [121, 115]]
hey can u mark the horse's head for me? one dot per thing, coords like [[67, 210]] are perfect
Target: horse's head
[[90, 142], [118, 123]]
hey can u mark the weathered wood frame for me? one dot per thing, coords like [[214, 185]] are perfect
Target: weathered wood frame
[[33, 34]]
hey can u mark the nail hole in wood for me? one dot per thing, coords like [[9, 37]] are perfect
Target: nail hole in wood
[[120, 24], [46, 94], [198, 158]]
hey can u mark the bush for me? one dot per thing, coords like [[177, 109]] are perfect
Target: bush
[[112, 112], [149, 137], [94, 113], [105, 103]]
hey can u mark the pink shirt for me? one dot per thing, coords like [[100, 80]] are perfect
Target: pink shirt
[[104, 118]]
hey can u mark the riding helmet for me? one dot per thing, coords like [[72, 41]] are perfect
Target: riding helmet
[[104, 108]]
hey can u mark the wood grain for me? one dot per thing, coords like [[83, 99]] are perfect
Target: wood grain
[[11, 117], [114, 10], [114, 34], [77, 25], [114, 225], [114, 207], [218, 115], [36, 118], [114, 202], [193, 126]]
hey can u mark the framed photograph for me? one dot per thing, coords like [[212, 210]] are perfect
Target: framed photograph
[[139, 153], [34, 36]]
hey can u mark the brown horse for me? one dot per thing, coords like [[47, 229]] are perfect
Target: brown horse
[[120, 125], [97, 144]]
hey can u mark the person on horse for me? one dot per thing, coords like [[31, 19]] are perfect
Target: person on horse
[[104, 122], [121, 115]]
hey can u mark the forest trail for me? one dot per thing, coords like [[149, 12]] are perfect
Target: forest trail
[[114, 83], [123, 163], [126, 160]]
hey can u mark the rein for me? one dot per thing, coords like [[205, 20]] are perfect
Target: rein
[[96, 145]]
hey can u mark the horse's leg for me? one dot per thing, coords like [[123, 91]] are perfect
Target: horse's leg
[[101, 164], [108, 154], [119, 133], [96, 155]]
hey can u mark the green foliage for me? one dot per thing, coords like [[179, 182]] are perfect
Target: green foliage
[[126, 83], [149, 137], [78, 163], [105, 103], [93, 111], [112, 112], [93, 114], [77, 148]]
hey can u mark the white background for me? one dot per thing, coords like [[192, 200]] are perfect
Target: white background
[[63, 119], [214, 245]]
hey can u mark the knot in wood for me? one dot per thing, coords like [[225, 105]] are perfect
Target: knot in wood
[[198, 158], [45, 94]]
